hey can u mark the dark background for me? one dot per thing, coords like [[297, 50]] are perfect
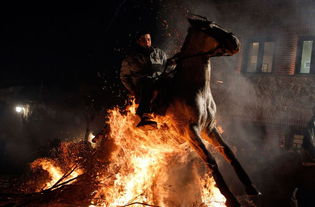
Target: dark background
[[63, 60], [62, 42]]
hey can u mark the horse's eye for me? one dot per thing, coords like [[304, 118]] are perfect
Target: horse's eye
[[203, 29]]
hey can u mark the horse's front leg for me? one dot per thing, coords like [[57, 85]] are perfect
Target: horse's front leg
[[215, 138], [196, 142]]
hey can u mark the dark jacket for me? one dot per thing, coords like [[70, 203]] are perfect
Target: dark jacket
[[142, 63]]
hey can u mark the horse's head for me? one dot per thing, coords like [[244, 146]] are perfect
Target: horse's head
[[206, 36]]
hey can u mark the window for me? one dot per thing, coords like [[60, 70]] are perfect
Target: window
[[305, 55], [259, 57], [297, 141]]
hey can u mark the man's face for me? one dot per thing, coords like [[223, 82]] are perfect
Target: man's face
[[145, 40]]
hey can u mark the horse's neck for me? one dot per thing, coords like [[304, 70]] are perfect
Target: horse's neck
[[195, 73]]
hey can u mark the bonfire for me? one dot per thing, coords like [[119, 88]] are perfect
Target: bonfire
[[128, 167]]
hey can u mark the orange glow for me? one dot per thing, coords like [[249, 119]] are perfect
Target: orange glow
[[144, 159], [154, 167], [220, 129], [211, 195], [55, 172]]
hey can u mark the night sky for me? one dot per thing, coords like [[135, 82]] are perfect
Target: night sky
[[59, 42]]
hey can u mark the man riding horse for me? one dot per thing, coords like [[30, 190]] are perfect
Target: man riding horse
[[189, 101], [139, 72]]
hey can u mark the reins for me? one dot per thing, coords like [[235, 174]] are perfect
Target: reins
[[210, 52], [177, 58]]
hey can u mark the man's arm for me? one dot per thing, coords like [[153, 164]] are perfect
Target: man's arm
[[125, 77]]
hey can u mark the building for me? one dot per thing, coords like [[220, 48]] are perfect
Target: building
[[271, 82]]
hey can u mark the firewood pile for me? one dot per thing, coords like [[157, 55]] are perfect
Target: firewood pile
[[65, 192], [75, 191]]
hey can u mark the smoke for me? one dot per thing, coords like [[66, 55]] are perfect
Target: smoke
[[23, 139]]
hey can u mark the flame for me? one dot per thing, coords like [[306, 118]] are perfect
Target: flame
[[54, 171], [140, 164], [220, 129], [153, 167], [211, 195]]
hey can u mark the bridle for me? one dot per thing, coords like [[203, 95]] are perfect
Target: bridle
[[201, 23], [178, 57]]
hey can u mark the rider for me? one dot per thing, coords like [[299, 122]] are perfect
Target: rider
[[139, 72]]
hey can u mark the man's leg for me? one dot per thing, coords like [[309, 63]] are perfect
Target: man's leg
[[144, 108]]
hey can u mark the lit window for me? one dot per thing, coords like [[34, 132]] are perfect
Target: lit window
[[253, 57], [297, 141], [259, 58], [305, 56], [267, 57]]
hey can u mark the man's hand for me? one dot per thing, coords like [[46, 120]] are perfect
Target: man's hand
[[171, 62]]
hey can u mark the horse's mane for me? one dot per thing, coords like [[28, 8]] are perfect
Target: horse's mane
[[187, 38]]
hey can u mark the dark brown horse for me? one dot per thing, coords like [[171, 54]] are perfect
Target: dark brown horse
[[191, 102]]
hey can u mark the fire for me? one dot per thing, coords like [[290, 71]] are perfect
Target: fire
[[144, 159], [55, 172], [155, 168], [211, 195]]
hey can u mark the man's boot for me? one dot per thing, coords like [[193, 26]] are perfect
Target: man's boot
[[147, 123]]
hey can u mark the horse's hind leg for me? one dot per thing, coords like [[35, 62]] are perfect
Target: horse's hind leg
[[215, 137], [196, 142]]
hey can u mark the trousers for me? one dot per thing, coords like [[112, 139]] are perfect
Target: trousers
[[145, 93]]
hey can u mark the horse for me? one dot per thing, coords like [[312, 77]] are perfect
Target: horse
[[190, 101]]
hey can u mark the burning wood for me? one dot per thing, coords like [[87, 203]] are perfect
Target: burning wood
[[130, 167]]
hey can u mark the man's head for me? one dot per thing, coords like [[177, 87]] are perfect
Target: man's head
[[144, 40]]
